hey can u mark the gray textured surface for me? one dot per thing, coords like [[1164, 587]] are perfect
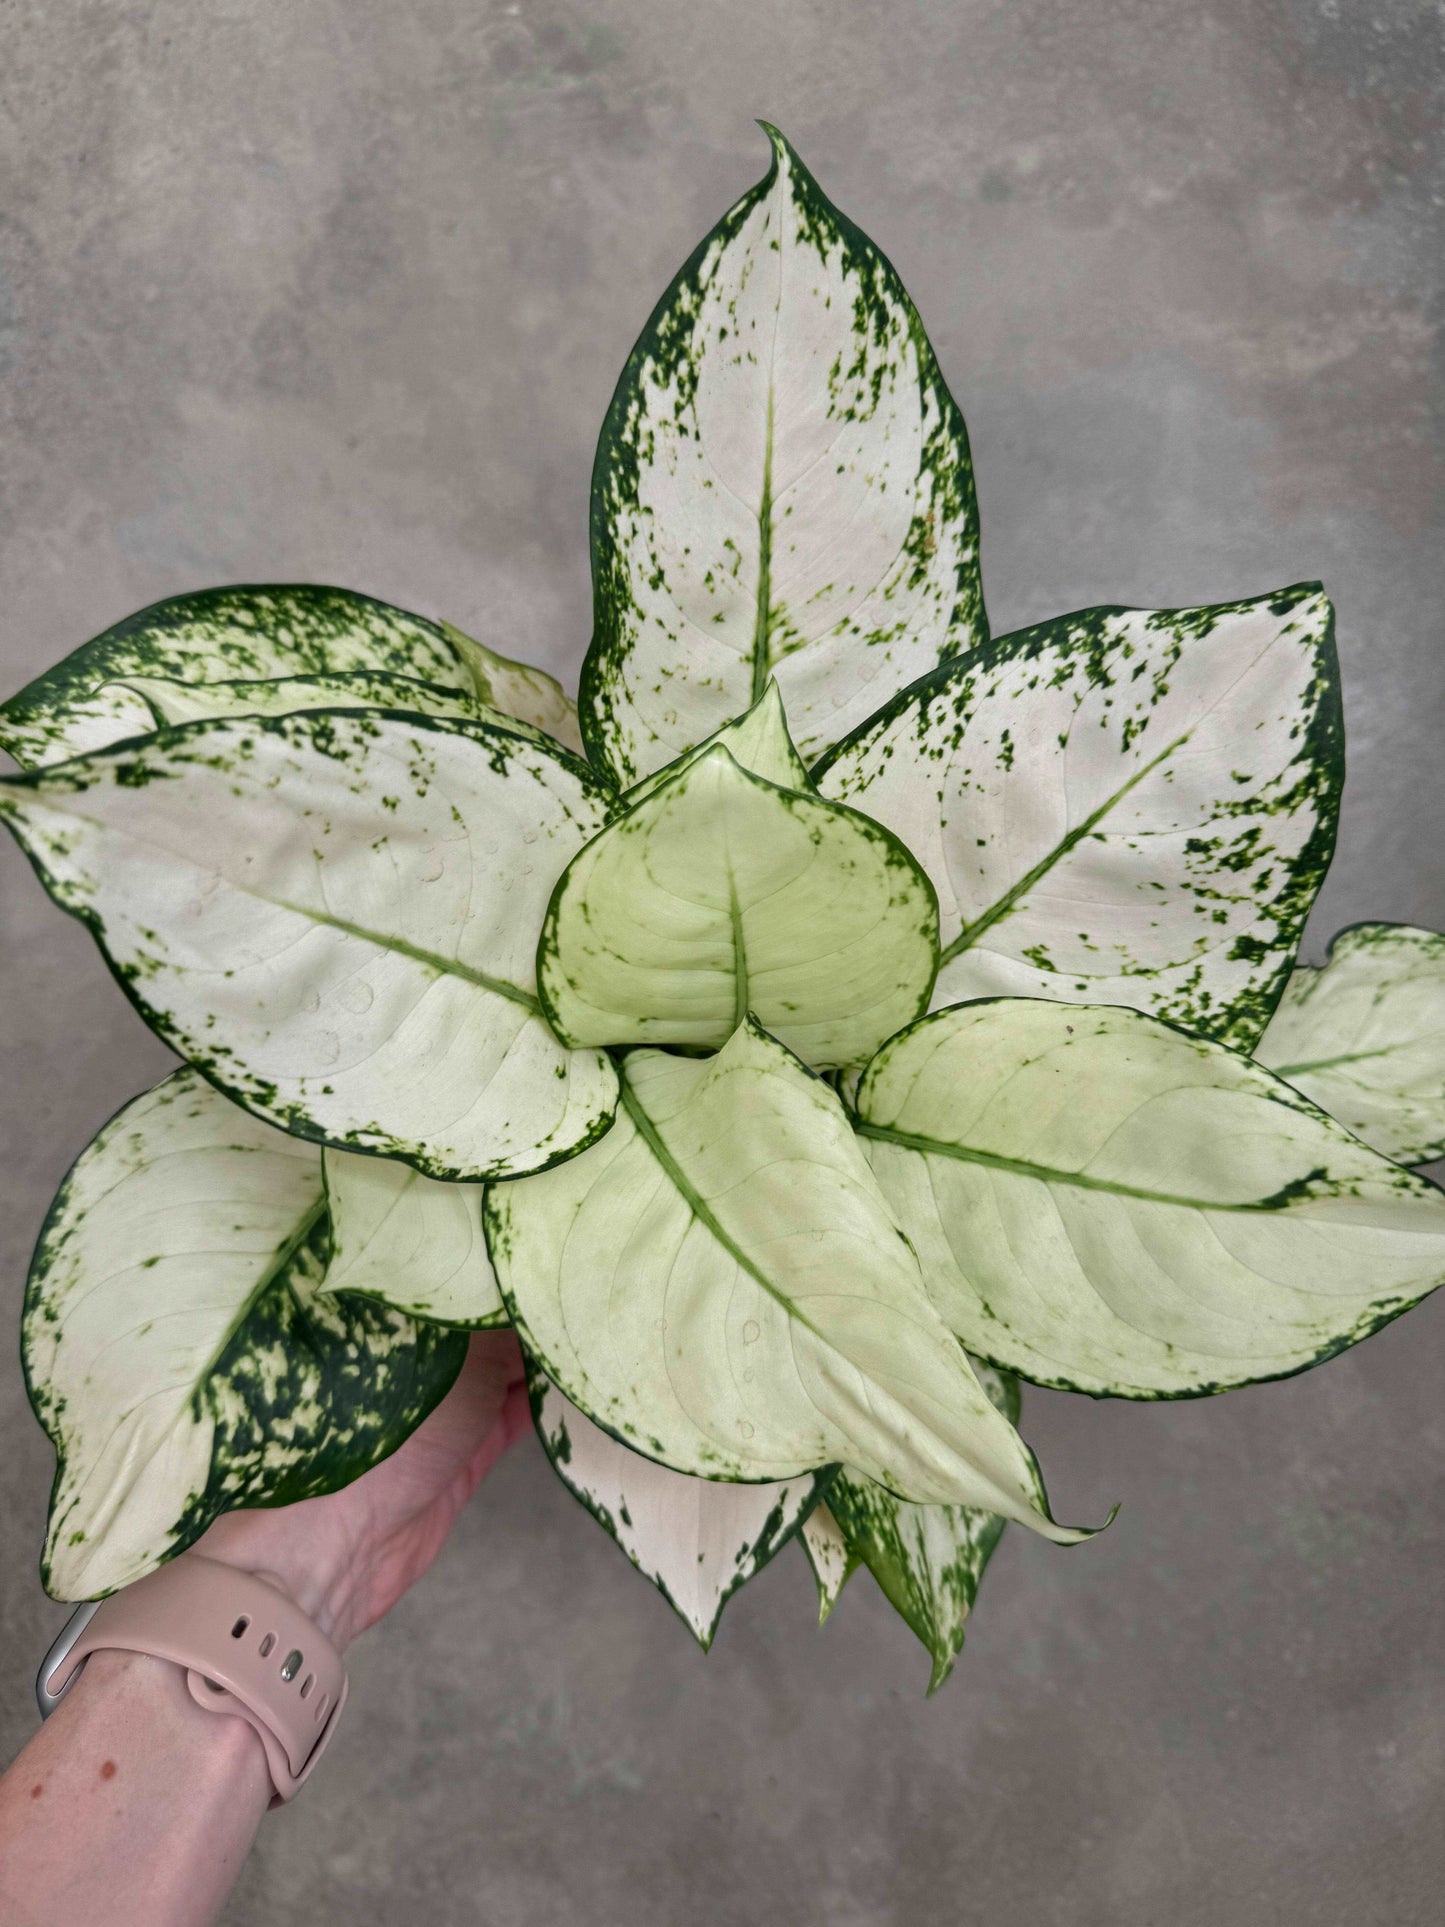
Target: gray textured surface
[[337, 289]]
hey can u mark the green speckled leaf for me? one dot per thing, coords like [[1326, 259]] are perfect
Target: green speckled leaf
[[721, 893], [928, 1559], [1105, 1204], [1122, 806], [1365, 1037], [179, 1348], [334, 917], [171, 703], [410, 1241], [697, 1540], [719, 1284], [219, 634], [782, 486], [831, 1557]]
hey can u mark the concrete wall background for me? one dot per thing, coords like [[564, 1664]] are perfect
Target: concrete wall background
[[337, 289]]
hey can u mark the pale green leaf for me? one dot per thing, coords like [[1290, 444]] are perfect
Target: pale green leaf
[[1105, 1204], [928, 1559], [179, 1348], [721, 893], [219, 635], [410, 1241], [1122, 806], [517, 689], [831, 1557], [758, 740], [720, 1284], [1365, 1037], [334, 916], [697, 1540], [782, 486]]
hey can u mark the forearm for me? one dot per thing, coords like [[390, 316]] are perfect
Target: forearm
[[132, 1805]]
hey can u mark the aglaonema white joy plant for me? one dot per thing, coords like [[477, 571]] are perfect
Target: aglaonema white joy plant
[[839, 1016]]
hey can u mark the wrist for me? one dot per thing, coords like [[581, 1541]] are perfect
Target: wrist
[[312, 1573]]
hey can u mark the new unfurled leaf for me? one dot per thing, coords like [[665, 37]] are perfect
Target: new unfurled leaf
[[517, 689], [180, 1349], [1105, 1204], [697, 1540], [1122, 806], [758, 740], [928, 1559], [409, 1241], [720, 1284], [1365, 1037], [219, 635], [720, 894], [334, 917], [782, 486]]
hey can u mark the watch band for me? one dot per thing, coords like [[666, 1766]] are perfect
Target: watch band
[[247, 1648]]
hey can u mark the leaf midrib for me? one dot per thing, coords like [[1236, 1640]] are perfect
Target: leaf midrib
[[1045, 1173]]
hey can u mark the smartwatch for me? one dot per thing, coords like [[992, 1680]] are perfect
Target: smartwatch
[[248, 1650]]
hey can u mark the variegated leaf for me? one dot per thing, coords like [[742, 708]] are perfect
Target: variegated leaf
[[1103, 1203], [334, 916], [410, 1241], [697, 1540], [758, 740], [517, 689], [180, 1350], [720, 1285], [782, 486], [720, 894], [1122, 806], [171, 703], [832, 1559], [1365, 1037], [928, 1559], [218, 635]]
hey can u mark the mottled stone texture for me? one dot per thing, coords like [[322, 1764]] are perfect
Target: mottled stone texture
[[337, 290]]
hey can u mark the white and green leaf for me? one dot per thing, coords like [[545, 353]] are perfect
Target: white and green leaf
[[720, 1284], [782, 487], [172, 703], [1122, 806], [1103, 1203], [82, 704], [697, 1540], [409, 1241], [720, 894], [928, 1559], [1365, 1037], [832, 1559], [334, 917], [180, 1348]]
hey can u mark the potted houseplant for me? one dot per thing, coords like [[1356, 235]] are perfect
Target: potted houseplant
[[838, 1016]]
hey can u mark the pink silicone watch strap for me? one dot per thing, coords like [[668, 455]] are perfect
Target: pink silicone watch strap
[[248, 1649]]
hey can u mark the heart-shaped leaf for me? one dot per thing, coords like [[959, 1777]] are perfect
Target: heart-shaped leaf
[[782, 486], [220, 634], [1122, 806], [179, 1348], [832, 1559], [697, 1540], [928, 1559], [721, 893], [720, 1284], [1105, 1204], [334, 917], [1365, 1037], [410, 1241]]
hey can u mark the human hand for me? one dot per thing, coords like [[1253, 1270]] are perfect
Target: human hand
[[346, 1558]]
